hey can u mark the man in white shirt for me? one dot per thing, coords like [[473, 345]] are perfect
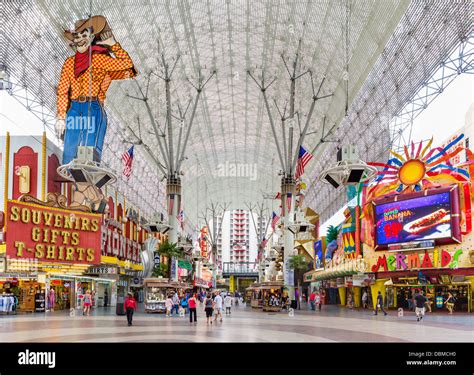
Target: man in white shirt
[[218, 306], [228, 303]]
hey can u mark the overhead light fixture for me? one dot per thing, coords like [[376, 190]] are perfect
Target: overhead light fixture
[[78, 175], [355, 176], [332, 181], [349, 170], [103, 180]]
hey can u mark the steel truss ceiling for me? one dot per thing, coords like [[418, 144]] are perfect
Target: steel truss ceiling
[[393, 47]]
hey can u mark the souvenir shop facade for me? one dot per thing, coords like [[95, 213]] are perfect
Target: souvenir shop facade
[[56, 255], [50, 250]]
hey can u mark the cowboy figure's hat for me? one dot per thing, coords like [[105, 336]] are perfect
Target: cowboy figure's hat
[[98, 24]]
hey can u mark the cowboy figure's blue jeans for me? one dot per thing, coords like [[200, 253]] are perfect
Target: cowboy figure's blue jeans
[[86, 124]]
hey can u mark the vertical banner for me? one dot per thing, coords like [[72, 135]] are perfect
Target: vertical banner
[[289, 275], [231, 284], [174, 269]]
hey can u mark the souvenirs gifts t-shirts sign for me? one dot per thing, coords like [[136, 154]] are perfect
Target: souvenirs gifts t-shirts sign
[[52, 235]]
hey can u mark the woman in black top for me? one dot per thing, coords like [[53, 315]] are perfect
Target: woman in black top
[[208, 308]]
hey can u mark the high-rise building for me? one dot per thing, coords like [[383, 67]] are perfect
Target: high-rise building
[[261, 227], [237, 242], [220, 221], [239, 236]]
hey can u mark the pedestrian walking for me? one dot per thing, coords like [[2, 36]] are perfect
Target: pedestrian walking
[[175, 300], [208, 308], [320, 298], [450, 303], [106, 298], [228, 304], [52, 299], [185, 303], [130, 307], [87, 301], [365, 298], [218, 306], [317, 301], [428, 305], [192, 308], [350, 301], [168, 306], [312, 300], [420, 301], [379, 304]]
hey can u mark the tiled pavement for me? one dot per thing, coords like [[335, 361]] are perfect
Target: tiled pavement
[[333, 324]]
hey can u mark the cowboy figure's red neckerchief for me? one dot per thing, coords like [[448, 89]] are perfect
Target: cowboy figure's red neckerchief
[[82, 60]]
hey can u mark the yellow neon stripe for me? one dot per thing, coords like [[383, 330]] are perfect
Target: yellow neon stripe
[[109, 260], [426, 148], [398, 156]]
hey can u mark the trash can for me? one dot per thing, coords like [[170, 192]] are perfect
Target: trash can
[[293, 304], [120, 307]]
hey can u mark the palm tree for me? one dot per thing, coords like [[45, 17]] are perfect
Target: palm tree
[[298, 263], [170, 250], [332, 233], [160, 270]]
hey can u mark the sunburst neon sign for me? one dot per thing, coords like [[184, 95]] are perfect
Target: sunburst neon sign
[[415, 171]]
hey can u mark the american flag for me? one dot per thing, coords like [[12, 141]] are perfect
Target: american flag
[[303, 158], [275, 219], [288, 202], [180, 218], [264, 243], [127, 158], [170, 206], [278, 196]]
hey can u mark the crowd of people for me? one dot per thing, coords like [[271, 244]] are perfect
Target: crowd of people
[[420, 303], [213, 303], [316, 299]]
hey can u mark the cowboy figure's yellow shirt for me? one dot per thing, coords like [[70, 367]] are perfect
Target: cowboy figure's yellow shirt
[[104, 70]]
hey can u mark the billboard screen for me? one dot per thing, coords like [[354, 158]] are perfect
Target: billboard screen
[[418, 217]]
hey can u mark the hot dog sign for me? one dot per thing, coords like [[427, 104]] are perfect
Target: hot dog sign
[[418, 217]]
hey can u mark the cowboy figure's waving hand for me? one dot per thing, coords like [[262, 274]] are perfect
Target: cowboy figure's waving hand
[[85, 78]]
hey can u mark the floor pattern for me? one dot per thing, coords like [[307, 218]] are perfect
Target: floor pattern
[[333, 324]]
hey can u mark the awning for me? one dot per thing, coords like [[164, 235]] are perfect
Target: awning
[[185, 264]]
